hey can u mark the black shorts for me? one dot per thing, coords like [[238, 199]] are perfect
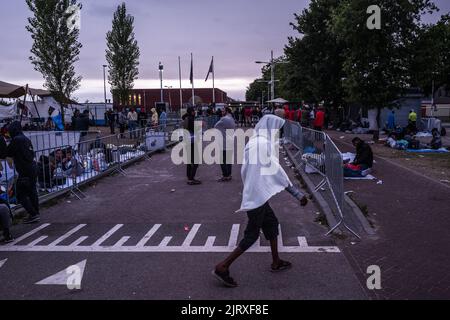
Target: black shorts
[[262, 218]]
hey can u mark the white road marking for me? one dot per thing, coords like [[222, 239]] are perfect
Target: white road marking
[[190, 237], [61, 277], [163, 247], [107, 235], [234, 236], [165, 242], [78, 242], [302, 242], [280, 237], [210, 242], [121, 242], [29, 234], [148, 236], [167, 249], [2, 262], [35, 242], [67, 235]]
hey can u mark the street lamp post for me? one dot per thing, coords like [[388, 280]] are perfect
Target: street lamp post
[[271, 63], [161, 70], [104, 82]]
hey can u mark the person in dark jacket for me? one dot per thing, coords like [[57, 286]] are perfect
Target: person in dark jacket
[[189, 125], [83, 123], [364, 154], [21, 151]]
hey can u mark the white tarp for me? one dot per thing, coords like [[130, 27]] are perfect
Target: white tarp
[[40, 109], [7, 112]]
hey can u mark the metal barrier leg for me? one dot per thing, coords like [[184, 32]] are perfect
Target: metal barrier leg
[[341, 222], [118, 169], [322, 184], [80, 195]]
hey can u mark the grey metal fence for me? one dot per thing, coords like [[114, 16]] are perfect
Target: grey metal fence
[[317, 153], [68, 166]]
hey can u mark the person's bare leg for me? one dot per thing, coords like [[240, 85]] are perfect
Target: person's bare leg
[[275, 256], [225, 265]]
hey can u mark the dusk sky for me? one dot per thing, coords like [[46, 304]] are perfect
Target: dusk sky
[[236, 32]]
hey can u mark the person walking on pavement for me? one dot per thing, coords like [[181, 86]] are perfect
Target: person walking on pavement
[[227, 126], [132, 123], [192, 167], [260, 185], [21, 151]]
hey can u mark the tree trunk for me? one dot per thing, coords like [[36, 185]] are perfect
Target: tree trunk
[[376, 133]]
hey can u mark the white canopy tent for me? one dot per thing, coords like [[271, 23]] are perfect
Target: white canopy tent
[[278, 101]]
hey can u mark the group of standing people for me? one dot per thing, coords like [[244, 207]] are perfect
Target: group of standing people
[[224, 125], [134, 121], [308, 117]]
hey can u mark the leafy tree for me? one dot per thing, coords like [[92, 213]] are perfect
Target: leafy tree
[[256, 90], [122, 54], [431, 56], [315, 58], [55, 47], [377, 61]]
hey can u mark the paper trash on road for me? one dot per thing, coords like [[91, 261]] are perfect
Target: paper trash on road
[[380, 182]]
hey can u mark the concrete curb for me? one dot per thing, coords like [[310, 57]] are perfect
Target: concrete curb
[[360, 216], [323, 205]]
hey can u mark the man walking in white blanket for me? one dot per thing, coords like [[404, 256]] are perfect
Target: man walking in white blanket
[[263, 179]]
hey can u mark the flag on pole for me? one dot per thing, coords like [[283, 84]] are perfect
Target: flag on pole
[[192, 70], [211, 69], [192, 79]]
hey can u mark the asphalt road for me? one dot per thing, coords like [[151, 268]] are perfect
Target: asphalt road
[[150, 236]]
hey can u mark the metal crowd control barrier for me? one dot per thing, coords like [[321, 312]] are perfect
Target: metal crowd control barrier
[[67, 167], [317, 153]]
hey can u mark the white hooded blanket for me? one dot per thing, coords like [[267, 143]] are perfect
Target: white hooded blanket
[[262, 174]]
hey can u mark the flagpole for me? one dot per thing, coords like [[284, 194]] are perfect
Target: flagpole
[[193, 88], [214, 86], [181, 86]]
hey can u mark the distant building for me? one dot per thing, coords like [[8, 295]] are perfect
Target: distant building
[[441, 108], [146, 99]]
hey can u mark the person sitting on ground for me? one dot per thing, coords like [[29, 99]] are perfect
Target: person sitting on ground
[[363, 160], [71, 166], [436, 142], [259, 188]]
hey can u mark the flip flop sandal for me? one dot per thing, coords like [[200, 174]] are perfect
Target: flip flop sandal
[[225, 279], [283, 265]]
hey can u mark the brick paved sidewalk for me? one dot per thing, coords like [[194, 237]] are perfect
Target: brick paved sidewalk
[[412, 215]]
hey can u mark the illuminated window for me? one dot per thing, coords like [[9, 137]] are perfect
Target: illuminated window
[[140, 100], [130, 102], [134, 99]]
